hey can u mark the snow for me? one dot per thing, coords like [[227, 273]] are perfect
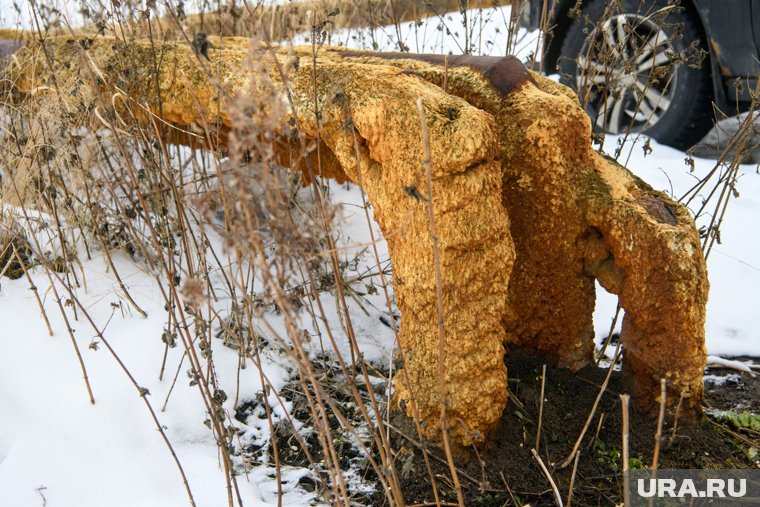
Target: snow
[[48, 426], [444, 34], [721, 380], [722, 362], [55, 444], [108, 453]]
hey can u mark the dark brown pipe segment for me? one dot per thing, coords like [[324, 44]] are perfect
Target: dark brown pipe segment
[[506, 74]]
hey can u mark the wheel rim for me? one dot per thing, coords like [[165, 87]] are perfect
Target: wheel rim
[[627, 77]]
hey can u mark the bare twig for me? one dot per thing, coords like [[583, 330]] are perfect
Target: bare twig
[[607, 340], [660, 422], [33, 288], [593, 409], [557, 497], [624, 398], [439, 300], [541, 408], [572, 479]]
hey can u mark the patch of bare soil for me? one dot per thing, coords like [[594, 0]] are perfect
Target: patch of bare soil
[[504, 472], [727, 389]]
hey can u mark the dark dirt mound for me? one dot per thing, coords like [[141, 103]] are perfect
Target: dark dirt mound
[[504, 472]]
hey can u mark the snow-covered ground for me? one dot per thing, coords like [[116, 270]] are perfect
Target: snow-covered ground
[[55, 444], [57, 449]]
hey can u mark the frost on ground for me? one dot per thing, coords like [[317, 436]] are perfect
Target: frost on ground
[[111, 453], [58, 448]]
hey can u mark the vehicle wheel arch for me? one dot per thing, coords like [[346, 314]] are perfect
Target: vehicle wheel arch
[[563, 21]]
